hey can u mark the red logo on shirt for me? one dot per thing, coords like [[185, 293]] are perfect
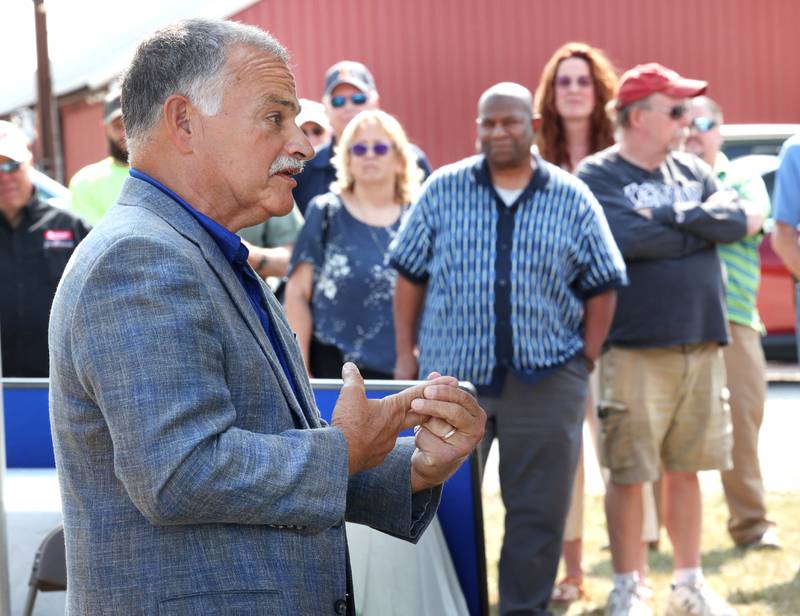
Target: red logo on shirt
[[58, 235]]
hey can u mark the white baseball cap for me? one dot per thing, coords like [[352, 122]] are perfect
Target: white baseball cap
[[14, 143]]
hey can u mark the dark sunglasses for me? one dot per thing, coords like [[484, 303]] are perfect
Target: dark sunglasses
[[676, 112], [565, 81], [316, 131], [10, 166], [359, 98], [379, 148], [703, 124]]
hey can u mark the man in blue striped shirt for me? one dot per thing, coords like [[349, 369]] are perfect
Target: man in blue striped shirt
[[509, 263]]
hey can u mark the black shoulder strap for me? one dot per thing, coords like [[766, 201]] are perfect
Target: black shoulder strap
[[326, 223]]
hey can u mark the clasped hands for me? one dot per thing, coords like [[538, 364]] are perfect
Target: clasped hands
[[448, 424]]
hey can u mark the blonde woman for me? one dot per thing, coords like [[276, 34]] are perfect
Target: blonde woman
[[340, 287]]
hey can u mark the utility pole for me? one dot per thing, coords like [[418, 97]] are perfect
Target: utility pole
[[5, 587], [47, 134]]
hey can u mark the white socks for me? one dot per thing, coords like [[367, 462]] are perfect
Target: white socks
[[626, 580], [688, 577]]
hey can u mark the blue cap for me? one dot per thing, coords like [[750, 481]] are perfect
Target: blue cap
[[348, 71]]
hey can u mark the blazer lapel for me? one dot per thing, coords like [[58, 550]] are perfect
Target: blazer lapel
[[293, 357], [182, 221], [224, 271]]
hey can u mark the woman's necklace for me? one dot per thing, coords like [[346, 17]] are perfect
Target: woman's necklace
[[373, 230]]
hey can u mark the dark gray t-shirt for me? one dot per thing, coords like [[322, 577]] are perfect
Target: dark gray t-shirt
[[676, 293]]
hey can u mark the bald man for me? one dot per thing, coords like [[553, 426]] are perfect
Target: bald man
[[507, 279]]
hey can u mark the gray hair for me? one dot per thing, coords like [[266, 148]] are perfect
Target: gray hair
[[710, 105], [622, 116], [186, 58]]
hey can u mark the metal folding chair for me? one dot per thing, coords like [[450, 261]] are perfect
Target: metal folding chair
[[49, 571]]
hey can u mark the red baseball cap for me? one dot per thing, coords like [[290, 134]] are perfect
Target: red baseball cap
[[646, 79]]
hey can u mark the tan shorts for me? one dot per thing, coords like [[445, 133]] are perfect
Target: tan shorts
[[664, 407]]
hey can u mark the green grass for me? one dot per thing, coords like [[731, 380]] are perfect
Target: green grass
[[765, 583]]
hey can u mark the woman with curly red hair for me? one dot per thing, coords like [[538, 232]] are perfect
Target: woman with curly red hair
[[575, 86]]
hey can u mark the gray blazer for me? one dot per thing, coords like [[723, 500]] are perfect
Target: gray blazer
[[193, 480]]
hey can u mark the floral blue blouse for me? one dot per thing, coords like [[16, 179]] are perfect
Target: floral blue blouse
[[351, 301]]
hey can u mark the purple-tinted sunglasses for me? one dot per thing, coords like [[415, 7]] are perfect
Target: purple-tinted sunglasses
[[379, 148], [565, 81]]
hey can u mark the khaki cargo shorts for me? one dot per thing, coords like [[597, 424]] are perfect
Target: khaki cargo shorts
[[663, 408]]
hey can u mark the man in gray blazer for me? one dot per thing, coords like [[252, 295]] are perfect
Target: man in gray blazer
[[195, 472]]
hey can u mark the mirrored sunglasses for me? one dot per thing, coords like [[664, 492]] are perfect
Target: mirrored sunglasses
[[10, 166], [379, 148], [565, 81], [703, 124], [359, 98]]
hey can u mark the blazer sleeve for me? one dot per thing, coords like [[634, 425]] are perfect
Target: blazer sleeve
[[381, 497], [147, 346]]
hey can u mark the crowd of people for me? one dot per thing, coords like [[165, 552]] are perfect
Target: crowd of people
[[596, 260]]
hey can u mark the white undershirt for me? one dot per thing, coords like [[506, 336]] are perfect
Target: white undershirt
[[508, 196]]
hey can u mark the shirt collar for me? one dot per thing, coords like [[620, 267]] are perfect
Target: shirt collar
[[231, 244], [541, 175]]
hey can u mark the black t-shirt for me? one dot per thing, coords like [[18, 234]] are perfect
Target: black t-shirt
[[33, 256], [676, 293]]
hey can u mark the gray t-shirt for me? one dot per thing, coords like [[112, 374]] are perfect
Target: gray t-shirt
[[676, 293]]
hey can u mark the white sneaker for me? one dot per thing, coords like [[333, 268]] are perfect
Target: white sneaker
[[627, 601], [697, 600]]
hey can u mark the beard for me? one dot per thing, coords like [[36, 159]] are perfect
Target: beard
[[117, 153]]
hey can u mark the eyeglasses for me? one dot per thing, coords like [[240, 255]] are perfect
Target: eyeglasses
[[359, 98], [703, 124], [379, 148], [676, 112], [316, 131], [565, 81]]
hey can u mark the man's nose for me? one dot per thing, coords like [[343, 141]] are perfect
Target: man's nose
[[498, 130], [300, 147]]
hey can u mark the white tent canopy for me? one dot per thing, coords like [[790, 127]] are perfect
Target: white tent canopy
[[90, 41]]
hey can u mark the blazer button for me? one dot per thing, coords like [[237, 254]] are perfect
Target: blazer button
[[340, 607]]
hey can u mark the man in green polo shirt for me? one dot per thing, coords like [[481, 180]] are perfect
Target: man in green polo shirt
[[744, 358], [95, 188]]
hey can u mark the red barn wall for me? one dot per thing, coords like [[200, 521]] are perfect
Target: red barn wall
[[432, 58], [82, 135]]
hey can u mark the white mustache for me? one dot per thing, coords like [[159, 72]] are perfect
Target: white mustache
[[286, 163]]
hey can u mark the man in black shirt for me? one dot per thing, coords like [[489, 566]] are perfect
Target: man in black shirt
[[662, 381], [349, 89], [36, 241]]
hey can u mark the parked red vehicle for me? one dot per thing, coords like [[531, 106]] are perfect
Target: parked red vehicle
[[756, 146]]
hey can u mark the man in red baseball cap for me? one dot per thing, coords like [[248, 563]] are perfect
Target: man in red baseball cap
[[663, 401], [646, 79]]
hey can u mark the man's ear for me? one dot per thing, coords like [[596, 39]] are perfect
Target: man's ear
[[636, 115], [180, 119]]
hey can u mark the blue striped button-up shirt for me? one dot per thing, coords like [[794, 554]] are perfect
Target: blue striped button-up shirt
[[505, 284]]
